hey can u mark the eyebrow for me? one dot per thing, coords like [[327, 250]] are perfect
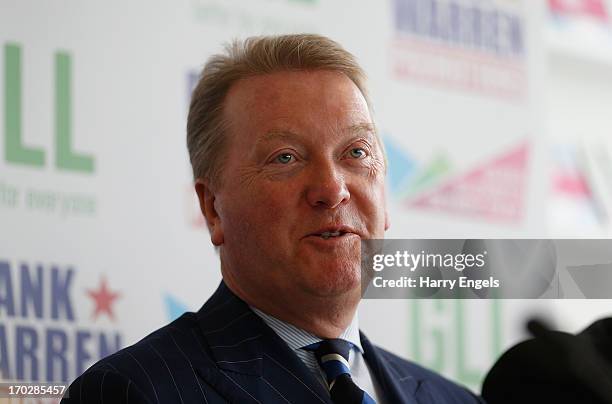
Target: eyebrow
[[286, 134], [362, 127], [275, 134]]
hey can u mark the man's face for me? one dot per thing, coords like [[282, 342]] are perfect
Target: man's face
[[302, 182]]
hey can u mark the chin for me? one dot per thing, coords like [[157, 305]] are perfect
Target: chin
[[334, 280]]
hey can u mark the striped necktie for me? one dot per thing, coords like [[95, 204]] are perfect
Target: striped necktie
[[333, 355]]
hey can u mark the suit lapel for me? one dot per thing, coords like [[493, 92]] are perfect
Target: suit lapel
[[396, 387], [251, 362], [288, 374]]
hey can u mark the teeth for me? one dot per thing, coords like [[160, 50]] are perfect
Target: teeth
[[329, 234]]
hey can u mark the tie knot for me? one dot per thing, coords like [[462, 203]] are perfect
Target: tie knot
[[333, 356], [331, 346]]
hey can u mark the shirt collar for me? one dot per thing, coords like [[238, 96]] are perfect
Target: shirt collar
[[297, 338]]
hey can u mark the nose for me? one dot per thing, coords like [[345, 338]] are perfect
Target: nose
[[327, 187]]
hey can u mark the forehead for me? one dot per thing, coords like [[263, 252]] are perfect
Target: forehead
[[295, 101]]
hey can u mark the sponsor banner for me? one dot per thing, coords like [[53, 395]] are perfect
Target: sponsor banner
[[468, 46], [96, 187], [54, 325]]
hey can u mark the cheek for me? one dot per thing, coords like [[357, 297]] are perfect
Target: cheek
[[374, 209], [257, 219]]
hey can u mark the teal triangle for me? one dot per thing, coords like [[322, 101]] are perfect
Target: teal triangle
[[174, 308], [400, 165]]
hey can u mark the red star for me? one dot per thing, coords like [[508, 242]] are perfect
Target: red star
[[103, 299]]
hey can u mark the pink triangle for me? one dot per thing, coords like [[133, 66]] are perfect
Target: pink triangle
[[493, 191], [589, 8], [571, 184]]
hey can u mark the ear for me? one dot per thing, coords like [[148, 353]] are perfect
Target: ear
[[387, 220], [206, 197]]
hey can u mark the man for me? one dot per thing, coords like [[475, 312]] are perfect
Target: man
[[290, 173]]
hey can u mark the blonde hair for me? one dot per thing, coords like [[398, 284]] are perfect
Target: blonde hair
[[206, 140]]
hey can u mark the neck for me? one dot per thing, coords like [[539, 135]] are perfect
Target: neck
[[323, 316]]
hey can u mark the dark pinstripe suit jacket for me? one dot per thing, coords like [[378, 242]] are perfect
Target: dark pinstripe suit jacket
[[226, 353]]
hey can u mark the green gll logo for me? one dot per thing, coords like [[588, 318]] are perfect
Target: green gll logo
[[15, 152], [440, 333]]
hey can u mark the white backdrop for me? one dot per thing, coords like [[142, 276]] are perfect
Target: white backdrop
[[95, 184]]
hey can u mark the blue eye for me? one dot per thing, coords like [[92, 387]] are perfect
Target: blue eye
[[357, 152], [284, 158]]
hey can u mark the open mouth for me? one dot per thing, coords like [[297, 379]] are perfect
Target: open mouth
[[328, 234], [334, 232]]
